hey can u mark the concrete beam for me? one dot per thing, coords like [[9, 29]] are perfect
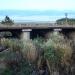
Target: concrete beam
[[26, 30], [57, 30]]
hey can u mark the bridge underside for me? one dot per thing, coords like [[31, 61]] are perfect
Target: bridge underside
[[39, 33], [10, 33], [34, 33]]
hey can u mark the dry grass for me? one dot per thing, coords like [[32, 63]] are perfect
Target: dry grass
[[29, 51], [62, 46]]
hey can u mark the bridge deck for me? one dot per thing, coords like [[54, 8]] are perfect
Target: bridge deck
[[6, 27]]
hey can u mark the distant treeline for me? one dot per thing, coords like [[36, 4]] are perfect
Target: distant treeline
[[61, 21], [7, 21], [70, 21]]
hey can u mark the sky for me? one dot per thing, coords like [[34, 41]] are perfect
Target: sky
[[38, 4], [65, 6]]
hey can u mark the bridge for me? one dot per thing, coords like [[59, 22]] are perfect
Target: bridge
[[18, 27], [32, 31]]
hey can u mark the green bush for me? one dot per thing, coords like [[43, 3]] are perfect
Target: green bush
[[57, 51], [21, 58], [13, 58]]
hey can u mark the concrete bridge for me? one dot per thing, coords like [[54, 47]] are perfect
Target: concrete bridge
[[31, 32]]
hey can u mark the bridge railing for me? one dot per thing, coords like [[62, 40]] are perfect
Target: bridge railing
[[37, 25]]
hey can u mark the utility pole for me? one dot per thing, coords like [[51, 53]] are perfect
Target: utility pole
[[66, 21]]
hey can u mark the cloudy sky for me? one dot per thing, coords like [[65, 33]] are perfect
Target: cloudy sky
[[39, 5]]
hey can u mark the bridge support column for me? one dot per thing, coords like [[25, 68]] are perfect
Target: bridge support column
[[25, 35], [53, 31]]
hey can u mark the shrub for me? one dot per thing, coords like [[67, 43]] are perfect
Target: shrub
[[57, 51], [22, 58], [29, 51], [15, 63]]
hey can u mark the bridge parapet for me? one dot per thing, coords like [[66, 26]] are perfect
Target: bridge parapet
[[19, 26]]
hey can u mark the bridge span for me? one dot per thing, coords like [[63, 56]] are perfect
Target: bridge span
[[17, 27], [31, 32]]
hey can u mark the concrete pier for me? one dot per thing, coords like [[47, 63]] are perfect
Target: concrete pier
[[25, 34]]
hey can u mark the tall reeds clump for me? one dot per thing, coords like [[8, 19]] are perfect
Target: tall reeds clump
[[13, 44], [57, 52], [15, 63], [30, 51], [24, 57]]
